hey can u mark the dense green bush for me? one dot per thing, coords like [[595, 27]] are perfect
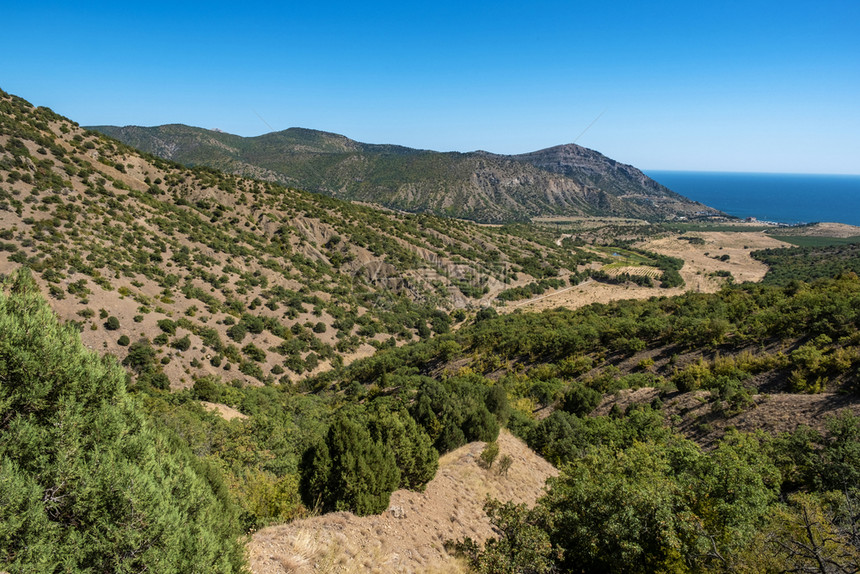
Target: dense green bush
[[349, 470], [580, 400], [167, 325], [454, 413], [88, 483], [413, 450], [644, 505], [182, 343], [655, 508], [237, 332]]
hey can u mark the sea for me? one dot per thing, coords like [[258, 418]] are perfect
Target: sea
[[781, 198]]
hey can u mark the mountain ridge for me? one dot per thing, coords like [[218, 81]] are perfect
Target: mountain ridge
[[565, 180]]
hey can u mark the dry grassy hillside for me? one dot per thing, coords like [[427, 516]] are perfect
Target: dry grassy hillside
[[701, 271], [410, 535]]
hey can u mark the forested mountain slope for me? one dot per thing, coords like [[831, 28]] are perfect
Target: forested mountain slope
[[564, 181]]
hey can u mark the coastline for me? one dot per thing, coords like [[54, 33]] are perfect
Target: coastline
[[780, 199]]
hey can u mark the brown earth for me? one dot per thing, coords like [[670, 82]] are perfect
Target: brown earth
[[772, 413], [700, 262], [409, 536], [820, 230]]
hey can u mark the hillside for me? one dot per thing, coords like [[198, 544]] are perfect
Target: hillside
[[564, 181], [331, 371], [244, 279], [410, 535]]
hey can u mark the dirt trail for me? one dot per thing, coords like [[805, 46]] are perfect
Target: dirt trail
[[409, 536]]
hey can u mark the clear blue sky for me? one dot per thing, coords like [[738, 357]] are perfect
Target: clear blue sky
[[724, 86]]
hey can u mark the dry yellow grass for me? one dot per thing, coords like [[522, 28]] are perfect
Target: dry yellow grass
[[700, 261], [409, 535], [229, 413]]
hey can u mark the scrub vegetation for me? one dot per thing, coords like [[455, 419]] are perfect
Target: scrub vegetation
[[189, 357]]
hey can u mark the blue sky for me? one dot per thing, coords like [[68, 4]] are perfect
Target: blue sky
[[719, 86]]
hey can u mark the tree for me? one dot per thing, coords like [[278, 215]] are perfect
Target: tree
[[181, 344], [349, 471], [141, 357], [619, 512], [167, 325], [497, 402], [413, 450], [237, 332], [88, 483], [816, 534], [581, 400], [523, 545], [489, 454]]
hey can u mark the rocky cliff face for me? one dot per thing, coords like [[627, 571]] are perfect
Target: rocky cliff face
[[593, 169]]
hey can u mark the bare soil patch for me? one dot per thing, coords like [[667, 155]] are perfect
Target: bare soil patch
[[229, 413], [771, 413], [841, 230], [700, 264], [409, 535]]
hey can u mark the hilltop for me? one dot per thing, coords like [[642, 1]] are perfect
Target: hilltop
[[567, 180], [410, 535]]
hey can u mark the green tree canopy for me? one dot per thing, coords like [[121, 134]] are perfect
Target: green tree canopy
[[349, 471], [87, 482]]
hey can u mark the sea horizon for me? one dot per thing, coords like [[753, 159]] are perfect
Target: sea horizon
[[790, 198]]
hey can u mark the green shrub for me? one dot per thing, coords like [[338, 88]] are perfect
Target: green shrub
[[182, 344], [254, 353], [348, 471], [167, 325], [109, 491], [237, 332], [413, 450], [489, 454], [580, 400], [207, 389]]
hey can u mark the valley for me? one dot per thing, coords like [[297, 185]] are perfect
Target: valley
[[202, 371]]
